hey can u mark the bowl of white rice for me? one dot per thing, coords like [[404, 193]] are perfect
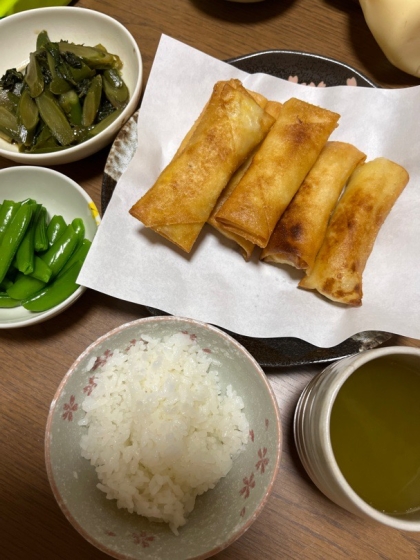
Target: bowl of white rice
[[163, 440]]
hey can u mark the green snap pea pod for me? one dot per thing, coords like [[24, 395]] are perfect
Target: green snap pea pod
[[94, 57], [79, 255], [40, 237], [7, 211], [25, 254], [97, 128], [58, 84], [55, 293], [79, 228], [13, 236], [115, 89], [54, 118], [55, 228], [9, 126], [44, 139], [60, 252], [92, 101], [28, 111], [33, 77], [9, 100], [70, 103], [6, 283], [76, 75], [24, 287], [41, 270], [7, 301], [41, 40]]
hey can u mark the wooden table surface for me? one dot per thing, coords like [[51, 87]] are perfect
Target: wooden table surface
[[298, 522]]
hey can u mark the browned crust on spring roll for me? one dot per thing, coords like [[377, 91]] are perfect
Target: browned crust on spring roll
[[277, 170], [179, 203], [372, 191], [299, 233]]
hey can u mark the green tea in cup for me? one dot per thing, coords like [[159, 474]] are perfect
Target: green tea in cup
[[375, 434], [357, 433]]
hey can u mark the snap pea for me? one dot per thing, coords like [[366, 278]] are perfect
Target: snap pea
[[54, 118], [40, 237], [97, 128], [6, 283], [70, 103], [24, 286], [7, 211], [33, 76], [59, 253], [115, 89], [13, 236], [79, 228], [7, 302], [92, 101], [28, 113], [95, 57], [55, 293], [25, 253], [55, 228], [41, 270], [79, 255], [9, 126], [41, 40]]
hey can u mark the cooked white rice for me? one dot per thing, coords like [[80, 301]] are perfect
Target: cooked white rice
[[159, 430]]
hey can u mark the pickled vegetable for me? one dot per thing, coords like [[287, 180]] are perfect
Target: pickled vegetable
[[67, 94]]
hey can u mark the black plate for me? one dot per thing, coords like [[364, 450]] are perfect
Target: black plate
[[300, 67]]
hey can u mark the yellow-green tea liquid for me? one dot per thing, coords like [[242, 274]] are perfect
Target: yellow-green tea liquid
[[375, 435]]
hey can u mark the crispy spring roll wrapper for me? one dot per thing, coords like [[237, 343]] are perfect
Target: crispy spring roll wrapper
[[277, 170], [179, 203], [299, 233], [246, 247], [370, 194]]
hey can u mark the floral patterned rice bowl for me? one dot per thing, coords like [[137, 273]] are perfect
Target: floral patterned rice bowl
[[222, 514]]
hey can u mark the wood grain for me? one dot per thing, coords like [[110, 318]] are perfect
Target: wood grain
[[298, 521]]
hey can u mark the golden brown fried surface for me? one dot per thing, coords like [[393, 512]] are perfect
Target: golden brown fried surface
[[181, 200], [277, 170], [372, 191], [299, 233], [273, 108]]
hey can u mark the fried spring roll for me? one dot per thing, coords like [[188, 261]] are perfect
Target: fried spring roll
[[181, 200], [246, 247], [277, 170], [372, 191], [299, 233]]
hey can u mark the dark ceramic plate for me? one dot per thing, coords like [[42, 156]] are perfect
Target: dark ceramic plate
[[303, 68]]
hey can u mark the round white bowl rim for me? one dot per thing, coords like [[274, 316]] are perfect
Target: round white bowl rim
[[44, 315], [164, 318], [397, 522], [49, 157]]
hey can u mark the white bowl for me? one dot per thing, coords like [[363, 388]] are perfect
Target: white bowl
[[220, 515], [18, 35], [60, 195], [313, 441]]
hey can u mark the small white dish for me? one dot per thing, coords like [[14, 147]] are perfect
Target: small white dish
[[60, 195], [80, 26], [222, 514]]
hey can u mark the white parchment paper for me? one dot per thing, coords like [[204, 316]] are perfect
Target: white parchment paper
[[213, 283]]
